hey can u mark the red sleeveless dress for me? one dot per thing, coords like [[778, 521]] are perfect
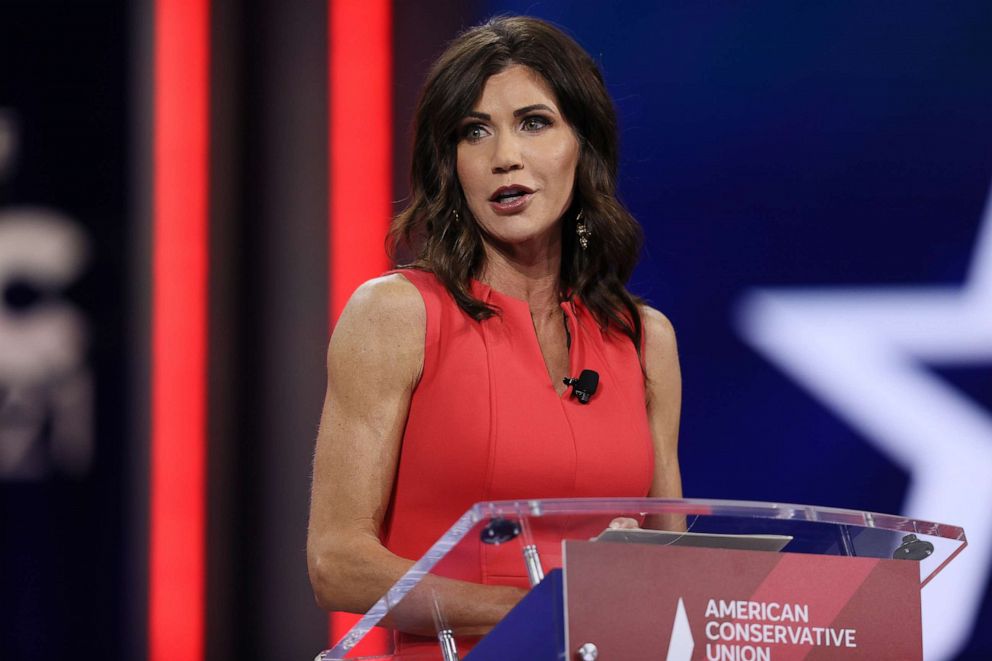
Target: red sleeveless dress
[[486, 423]]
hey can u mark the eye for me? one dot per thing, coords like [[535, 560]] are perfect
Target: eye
[[474, 132], [535, 123]]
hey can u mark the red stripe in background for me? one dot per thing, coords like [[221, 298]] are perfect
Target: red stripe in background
[[179, 330], [360, 135], [361, 129]]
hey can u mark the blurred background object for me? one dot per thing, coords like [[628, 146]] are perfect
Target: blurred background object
[[190, 188]]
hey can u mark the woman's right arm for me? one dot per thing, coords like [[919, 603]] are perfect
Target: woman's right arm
[[373, 364]]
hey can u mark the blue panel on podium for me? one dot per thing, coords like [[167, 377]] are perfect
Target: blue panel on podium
[[533, 630]]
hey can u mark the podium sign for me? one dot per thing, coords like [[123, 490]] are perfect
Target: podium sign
[[634, 601]]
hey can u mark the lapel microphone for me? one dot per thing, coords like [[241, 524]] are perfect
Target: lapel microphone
[[583, 387]]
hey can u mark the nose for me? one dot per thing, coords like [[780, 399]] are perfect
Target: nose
[[506, 153]]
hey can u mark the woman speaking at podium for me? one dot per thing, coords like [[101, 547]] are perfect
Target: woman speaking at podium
[[450, 381]]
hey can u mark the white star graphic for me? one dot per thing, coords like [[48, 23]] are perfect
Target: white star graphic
[[860, 351]]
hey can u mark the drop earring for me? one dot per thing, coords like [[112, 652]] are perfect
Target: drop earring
[[582, 231]]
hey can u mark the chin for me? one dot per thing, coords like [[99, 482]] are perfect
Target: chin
[[516, 239], [519, 228]]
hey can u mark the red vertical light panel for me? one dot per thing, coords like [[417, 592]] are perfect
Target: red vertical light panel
[[176, 562], [360, 134], [361, 128]]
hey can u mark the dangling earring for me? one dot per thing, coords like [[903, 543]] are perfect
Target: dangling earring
[[458, 218], [582, 231]]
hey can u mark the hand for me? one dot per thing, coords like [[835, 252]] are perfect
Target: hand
[[624, 523]]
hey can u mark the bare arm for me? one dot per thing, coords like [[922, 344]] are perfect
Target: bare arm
[[664, 403], [373, 364]]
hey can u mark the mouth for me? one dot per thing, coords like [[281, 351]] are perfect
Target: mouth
[[510, 198]]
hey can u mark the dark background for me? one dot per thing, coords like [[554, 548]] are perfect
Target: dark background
[[765, 145], [64, 549]]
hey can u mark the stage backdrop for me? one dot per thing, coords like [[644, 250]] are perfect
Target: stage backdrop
[[65, 548], [180, 185], [813, 181]]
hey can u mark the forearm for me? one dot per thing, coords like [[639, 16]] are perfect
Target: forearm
[[468, 609], [353, 577], [667, 484]]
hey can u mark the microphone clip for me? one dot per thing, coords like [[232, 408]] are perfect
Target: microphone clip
[[584, 386]]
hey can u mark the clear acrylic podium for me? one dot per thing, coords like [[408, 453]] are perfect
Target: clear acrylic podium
[[519, 543]]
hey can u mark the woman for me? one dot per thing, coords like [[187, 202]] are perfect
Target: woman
[[445, 380]]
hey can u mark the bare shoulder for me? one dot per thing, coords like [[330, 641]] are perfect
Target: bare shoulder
[[390, 298], [661, 362], [383, 323], [659, 334]]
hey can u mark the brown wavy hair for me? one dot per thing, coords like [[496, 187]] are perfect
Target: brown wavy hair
[[452, 249]]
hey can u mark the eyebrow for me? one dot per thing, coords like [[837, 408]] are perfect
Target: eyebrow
[[516, 113]]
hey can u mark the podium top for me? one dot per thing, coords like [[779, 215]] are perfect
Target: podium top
[[517, 542]]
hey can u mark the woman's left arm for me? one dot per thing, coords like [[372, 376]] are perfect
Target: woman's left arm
[[663, 395], [663, 385]]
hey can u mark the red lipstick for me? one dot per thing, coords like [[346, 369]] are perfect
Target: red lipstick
[[510, 199]]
